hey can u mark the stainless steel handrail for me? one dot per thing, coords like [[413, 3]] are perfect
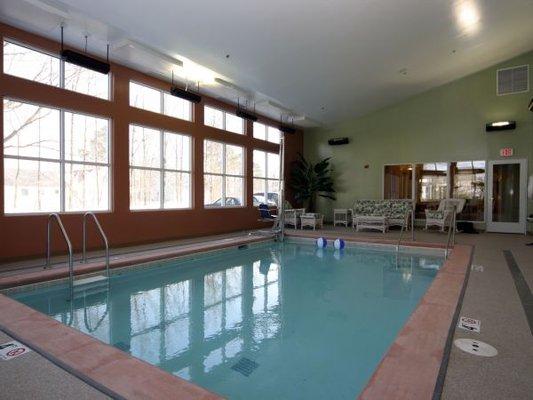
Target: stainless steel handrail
[[103, 236], [55, 216], [401, 231], [451, 233]]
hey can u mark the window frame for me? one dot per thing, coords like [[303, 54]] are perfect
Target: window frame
[[224, 175], [224, 125], [62, 162], [161, 102], [266, 127], [162, 170], [61, 77], [265, 178], [449, 189]]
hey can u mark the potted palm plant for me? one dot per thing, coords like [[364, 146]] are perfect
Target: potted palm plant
[[310, 180]]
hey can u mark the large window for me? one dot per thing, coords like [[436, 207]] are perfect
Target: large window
[[223, 120], [264, 132], [266, 178], [158, 101], [54, 160], [223, 175], [467, 180], [398, 182], [160, 169], [431, 186], [41, 67], [436, 181]]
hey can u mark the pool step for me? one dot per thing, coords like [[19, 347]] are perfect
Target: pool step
[[91, 285]]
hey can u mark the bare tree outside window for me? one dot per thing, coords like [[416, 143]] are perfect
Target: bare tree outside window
[[32, 147]]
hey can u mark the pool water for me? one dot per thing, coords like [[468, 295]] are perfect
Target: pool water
[[276, 321]]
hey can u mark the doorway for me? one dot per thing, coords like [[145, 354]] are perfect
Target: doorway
[[507, 201]]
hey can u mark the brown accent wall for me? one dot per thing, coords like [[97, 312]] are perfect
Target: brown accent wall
[[25, 236]]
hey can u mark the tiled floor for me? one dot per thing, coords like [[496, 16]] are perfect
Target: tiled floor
[[490, 296], [31, 376]]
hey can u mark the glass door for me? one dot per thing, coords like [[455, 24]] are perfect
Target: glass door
[[507, 196]]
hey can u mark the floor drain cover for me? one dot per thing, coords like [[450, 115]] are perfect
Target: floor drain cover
[[245, 366], [476, 347]]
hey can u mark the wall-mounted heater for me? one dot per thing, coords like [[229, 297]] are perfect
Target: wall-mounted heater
[[245, 114], [287, 129], [338, 141], [83, 60], [500, 126], [184, 93]]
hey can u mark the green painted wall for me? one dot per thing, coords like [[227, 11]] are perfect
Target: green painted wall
[[446, 123]]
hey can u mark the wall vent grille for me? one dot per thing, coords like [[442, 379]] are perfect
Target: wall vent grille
[[512, 80]]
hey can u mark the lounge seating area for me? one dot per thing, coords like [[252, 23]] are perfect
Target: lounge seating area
[[381, 214], [378, 215]]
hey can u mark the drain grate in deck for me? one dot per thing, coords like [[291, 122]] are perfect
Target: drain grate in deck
[[245, 366]]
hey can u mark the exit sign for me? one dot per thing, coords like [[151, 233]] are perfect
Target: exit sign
[[506, 152]]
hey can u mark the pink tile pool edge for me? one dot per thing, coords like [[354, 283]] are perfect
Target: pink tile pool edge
[[116, 371], [26, 278], [411, 367]]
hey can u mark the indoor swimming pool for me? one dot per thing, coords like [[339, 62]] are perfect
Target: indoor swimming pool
[[269, 321]]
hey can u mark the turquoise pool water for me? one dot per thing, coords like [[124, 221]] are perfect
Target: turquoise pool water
[[277, 321]]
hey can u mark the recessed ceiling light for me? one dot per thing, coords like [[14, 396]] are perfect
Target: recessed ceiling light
[[467, 16]]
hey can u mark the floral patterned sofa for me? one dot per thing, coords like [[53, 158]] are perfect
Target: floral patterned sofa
[[381, 214]]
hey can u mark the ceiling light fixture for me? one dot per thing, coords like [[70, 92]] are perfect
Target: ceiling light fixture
[[467, 16]]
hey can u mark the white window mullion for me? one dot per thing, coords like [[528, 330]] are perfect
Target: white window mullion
[[62, 194], [162, 168], [224, 170], [266, 172]]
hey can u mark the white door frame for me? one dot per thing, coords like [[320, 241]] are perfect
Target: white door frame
[[507, 227]]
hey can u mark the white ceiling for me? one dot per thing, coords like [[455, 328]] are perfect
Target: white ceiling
[[327, 60]]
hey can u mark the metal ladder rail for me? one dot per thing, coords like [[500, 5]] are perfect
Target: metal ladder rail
[[55, 216], [401, 232], [102, 235], [451, 233]]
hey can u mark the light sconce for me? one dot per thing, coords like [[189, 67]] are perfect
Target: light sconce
[[500, 126]]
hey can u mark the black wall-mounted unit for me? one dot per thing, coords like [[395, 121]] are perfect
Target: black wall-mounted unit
[[85, 61], [246, 115], [338, 141], [185, 94], [530, 107], [287, 129], [500, 126]]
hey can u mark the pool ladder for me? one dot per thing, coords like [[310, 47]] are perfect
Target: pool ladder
[[403, 227], [55, 217], [451, 233]]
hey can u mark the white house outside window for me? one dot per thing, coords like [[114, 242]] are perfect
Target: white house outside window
[[54, 160]]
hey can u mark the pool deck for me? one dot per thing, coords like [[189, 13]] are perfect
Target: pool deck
[[409, 370]]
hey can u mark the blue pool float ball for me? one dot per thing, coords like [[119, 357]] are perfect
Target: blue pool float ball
[[338, 244], [321, 242]]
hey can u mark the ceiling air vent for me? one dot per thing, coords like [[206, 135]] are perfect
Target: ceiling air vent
[[513, 80]]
